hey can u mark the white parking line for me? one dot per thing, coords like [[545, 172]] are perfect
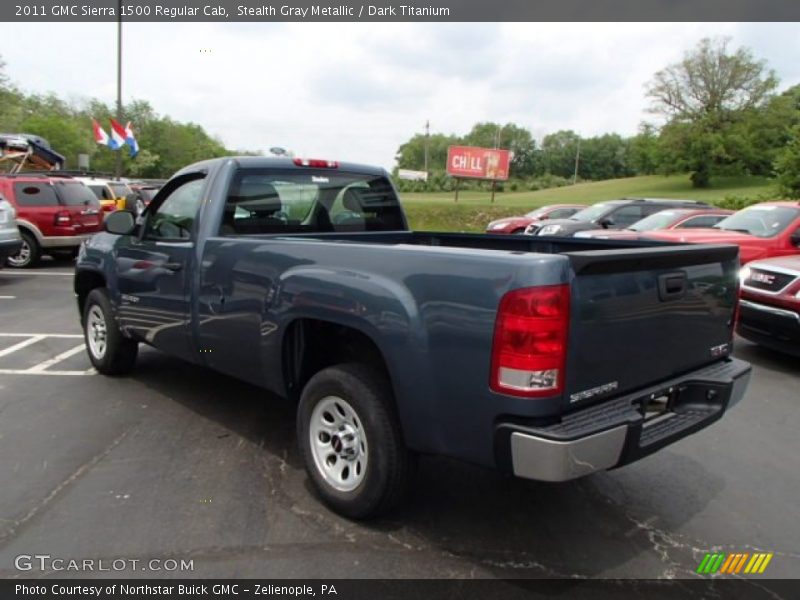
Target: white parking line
[[7, 272], [7, 297], [43, 368], [56, 359], [52, 335], [20, 345]]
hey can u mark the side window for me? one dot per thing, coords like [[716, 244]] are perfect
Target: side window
[[627, 215], [35, 194], [701, 221], [562, 213], [174, 218]]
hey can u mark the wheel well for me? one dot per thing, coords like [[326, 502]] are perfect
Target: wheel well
[[85, 282], [311, 345]]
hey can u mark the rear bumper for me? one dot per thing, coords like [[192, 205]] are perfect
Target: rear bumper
[[770, 326], [9, 247], [616, 432], [64, 241]]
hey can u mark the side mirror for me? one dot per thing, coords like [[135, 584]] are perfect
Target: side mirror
[[606, 222], [120, 222], [794, 239]]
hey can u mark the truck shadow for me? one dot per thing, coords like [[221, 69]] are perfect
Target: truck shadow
[[477, 520], [759, 356]]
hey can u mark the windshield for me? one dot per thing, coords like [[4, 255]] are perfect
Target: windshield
[[760, 221], [75, 194], [535, 214], [120, 189], [592, 213], [97, 190], [660, 220]]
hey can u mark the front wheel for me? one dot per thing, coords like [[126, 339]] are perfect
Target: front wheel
[[110, 352], [350, 439]]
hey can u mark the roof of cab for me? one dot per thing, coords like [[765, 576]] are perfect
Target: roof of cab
[[277, 162]]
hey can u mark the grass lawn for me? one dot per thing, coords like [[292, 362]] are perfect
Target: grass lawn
[[438, 212]]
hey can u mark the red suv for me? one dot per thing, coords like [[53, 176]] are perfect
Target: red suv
[[54, 214]]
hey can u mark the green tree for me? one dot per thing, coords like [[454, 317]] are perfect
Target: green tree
[[411, 155], [712, 90], [643, 150], [558, 153], [787, 166]]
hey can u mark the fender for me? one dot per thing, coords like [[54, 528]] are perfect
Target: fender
[[37, 233], [384, 311]]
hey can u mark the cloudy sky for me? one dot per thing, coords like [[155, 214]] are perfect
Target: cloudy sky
[[356, 91]]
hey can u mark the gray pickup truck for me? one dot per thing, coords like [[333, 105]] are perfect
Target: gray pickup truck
[[546, 358]]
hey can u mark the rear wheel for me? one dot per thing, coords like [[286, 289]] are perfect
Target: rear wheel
[[350, 439], [29, 253], [110, 352]]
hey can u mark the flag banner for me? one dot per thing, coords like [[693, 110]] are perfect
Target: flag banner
[[100, 136], [117, 135], [130, 139]]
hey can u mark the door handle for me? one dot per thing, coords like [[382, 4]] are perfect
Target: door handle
[[172, 266], [672, 286]]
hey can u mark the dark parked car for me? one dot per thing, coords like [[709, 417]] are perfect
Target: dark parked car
[[672, 218], [614, 214], [533, 219], [547, 359], [770, 304]]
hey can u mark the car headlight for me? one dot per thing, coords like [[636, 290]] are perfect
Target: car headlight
[[550, 229], [494, 226], [744, 274]]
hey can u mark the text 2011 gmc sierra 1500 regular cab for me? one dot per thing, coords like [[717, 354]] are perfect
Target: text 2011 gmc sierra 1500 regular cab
[[548, 358]]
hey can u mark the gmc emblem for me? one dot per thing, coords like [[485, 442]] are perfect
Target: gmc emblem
[[762, 278]]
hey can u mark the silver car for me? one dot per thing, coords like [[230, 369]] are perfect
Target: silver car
[[10, 241]]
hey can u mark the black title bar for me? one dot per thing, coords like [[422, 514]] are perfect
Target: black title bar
[[399, 11]]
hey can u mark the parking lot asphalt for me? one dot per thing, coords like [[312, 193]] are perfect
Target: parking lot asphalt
[[179, 462]]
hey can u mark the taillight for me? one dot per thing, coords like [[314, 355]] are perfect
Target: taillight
[[316, 163], [63, 217], [530, 342]]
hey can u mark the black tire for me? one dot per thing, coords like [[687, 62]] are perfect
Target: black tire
[[119, 355], [29, 255], [389, 466]]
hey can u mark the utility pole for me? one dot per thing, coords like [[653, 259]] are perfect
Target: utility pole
[[118, 167], [577, 162], [427, 139]]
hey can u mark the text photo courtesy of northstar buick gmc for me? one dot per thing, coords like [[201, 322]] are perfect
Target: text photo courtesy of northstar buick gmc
[[302, 277]]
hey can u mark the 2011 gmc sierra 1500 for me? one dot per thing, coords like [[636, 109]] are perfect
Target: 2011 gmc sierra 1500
[[547, 358]]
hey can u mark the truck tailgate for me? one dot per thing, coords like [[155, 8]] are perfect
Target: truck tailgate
[[643, 315]]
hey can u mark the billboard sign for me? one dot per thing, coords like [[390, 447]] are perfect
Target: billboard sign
[[410, 175], [478, 163]]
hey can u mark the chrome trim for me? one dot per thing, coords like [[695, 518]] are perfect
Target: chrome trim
[[550, 460], [778, 312], [59, 241], [775, 269]]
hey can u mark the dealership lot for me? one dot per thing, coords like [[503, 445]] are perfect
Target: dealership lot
[[178, 462]]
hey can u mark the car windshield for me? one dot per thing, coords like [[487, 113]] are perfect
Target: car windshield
[[120, 189], [97, 190], [535, 214], [760, 221], [660, 220], [592, 213], [73, 193]]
